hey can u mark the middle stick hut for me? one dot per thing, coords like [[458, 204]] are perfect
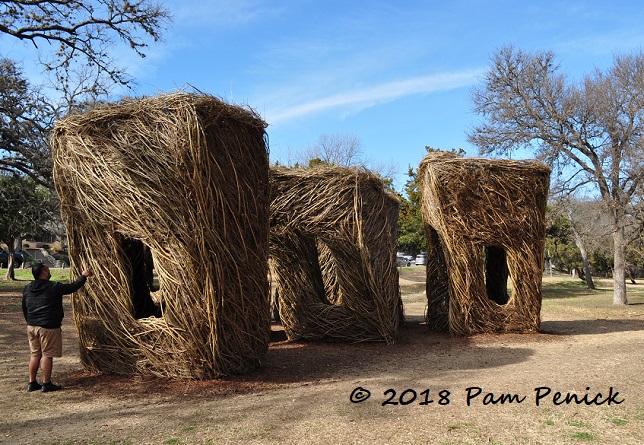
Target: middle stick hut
[[333, 249]]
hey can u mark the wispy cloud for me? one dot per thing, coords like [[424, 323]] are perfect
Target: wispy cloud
[[223, 14], [608, 43], [357, 100]]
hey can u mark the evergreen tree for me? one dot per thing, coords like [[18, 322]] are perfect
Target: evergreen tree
[[411, 233]]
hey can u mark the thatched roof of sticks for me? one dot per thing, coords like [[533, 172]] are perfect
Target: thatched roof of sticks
[[180, 182], [333, 247], [485, 221]]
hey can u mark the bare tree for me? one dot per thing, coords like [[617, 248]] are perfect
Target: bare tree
[[581, 236], [23, 146], [344, 150], [84, 32], [591, 132], [75, 39]]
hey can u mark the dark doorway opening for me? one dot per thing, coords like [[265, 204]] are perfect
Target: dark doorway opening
[[142, 279], [496, 274]]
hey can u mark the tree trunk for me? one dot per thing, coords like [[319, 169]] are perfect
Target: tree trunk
[[584, 257], [19, 249], [619, 268], [11, 275]]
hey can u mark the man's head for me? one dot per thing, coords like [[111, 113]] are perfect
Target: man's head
[[41, 272]]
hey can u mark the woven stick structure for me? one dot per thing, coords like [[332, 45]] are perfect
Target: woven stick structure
[[333, 248], [485, 223], [178, 183]]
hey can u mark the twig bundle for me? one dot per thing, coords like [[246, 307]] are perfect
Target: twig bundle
[[333, 247], [485, 223], [180, 183]]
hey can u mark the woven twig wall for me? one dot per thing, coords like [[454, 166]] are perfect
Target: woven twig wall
[[485, 223], [180, 183], [333, 247]]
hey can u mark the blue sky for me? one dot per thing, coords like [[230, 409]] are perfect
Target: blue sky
[[395, 74]]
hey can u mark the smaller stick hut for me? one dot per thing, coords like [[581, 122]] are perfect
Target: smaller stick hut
[[333, 250], [173, 187], [485, 223]]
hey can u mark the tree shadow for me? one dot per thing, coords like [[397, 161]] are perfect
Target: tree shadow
[[583, 327], [292, 362]]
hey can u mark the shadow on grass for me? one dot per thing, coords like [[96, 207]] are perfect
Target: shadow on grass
[[561, 292], [299, 363], [583, 327]]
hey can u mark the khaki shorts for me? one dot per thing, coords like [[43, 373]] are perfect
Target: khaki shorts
[[45, 342]]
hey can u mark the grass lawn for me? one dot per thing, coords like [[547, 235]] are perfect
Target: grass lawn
[[301, 394], [568, 297], [24, 276]]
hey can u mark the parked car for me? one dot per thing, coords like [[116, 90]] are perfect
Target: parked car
[[4, 259], [402, 261], [421, 259]]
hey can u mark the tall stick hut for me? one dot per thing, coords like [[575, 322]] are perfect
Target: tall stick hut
[[175, 187], [485, 223]]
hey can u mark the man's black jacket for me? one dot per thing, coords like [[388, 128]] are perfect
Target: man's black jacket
[[42, 301]]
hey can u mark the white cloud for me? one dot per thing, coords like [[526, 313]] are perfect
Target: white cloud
[[363, 98], [603, 44], [195, 14]]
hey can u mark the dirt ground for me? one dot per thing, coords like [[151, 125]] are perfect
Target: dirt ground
[[315, 393]]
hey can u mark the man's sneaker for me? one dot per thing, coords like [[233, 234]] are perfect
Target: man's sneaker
[[47, 387], [34, 386]]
